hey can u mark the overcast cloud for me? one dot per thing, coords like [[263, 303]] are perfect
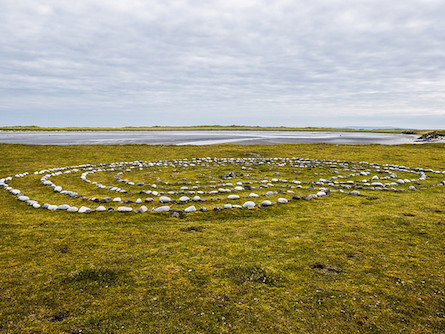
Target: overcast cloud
[[267, 62]]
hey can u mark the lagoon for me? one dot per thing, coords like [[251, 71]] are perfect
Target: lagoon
[[201, 137]]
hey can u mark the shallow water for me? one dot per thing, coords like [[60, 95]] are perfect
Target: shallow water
[[201, 137]]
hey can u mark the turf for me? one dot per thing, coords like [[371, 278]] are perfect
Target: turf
[[367, 264]]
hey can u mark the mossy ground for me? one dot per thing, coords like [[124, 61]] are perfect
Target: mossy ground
[[368, 264]]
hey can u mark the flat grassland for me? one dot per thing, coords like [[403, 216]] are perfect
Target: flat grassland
[[342, 264]]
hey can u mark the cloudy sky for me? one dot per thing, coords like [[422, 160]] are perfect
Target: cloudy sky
[[190, 62]]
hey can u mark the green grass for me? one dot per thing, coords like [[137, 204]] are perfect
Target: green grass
[[343, 264], [212, 128]]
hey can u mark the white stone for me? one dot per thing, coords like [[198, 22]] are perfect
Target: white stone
[[36, 205], [101, 209], [184, 198], [164, 199], [138, 201], [266, 203], [124, 209], [143, 208], [253, 195], [239, 188], [355, 192], [23, 198], [282, 200], [63, 207], [190, 209], [196, 198], [58, 189], [249, 205], [233, 197], [52, 207], [377, 184], [117, 199], [412, 188], [164, 208], [228, 206], [83, 209]]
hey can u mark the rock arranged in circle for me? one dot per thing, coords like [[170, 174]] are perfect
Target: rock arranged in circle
[[203, 184]]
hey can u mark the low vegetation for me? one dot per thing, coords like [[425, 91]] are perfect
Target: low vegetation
[[368, 264]]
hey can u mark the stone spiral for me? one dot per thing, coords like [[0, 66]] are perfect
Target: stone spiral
[[202, 184]]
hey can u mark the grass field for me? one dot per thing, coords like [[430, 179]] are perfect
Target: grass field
[[343, 264]]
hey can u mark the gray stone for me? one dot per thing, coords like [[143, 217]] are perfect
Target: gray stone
[[266, 203]]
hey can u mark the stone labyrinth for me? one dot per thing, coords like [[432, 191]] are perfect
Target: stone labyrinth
[[202, 184]]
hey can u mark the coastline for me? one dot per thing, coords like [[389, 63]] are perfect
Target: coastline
[[202, 137]]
